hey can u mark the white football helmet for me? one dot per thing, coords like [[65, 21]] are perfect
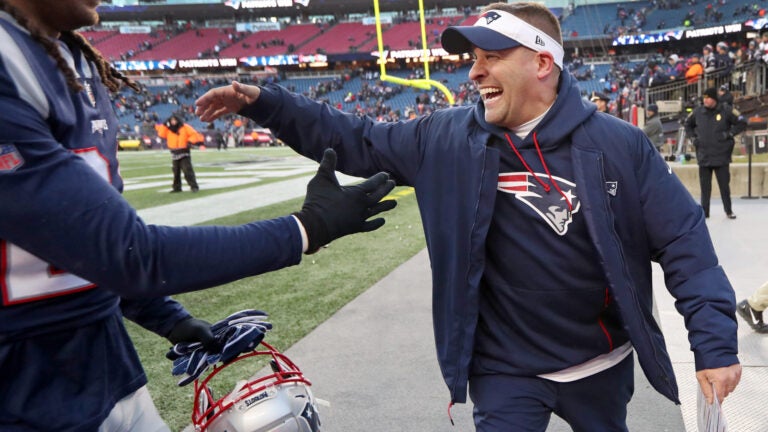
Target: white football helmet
[[276, 402]]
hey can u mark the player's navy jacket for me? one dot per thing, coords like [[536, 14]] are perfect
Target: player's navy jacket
[[71, 247], [635, 211]]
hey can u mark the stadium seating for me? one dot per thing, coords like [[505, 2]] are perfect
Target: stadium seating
[[340, 38], [187, 45], [407, 35], [121, 46], [596, 19], [96, 36], [261, 43]]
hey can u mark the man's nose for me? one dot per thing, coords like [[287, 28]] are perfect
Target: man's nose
[[477, 70]]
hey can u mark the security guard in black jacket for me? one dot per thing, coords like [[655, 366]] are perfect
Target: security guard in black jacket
[[711, 127]]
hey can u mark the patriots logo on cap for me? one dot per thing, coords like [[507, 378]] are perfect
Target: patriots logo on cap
[[490, 17], [552, 206]]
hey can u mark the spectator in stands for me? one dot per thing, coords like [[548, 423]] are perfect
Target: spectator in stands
[[653, 128], [147, 126], [711, 128], [624, 105], [601, 100], [695, 70], [76, 258], [708, 59], [723, 59], [652, 76], [543, 217], [674, 68], [636, 93], [178, 137], [752, 309], [725, 97], [762, 46]]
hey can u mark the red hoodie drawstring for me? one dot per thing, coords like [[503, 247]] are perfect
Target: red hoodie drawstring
[[544, 164]]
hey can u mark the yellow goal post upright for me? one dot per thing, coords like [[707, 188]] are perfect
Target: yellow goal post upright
[[425, 83]]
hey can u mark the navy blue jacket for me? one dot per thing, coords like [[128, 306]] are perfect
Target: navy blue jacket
[[74, 256], [636, 209]]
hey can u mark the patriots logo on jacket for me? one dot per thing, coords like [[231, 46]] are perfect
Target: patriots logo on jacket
[[490, 17], [10, 159], [552, 206]]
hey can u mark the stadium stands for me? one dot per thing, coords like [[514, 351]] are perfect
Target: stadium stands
[[126, 45], [272, 42], [581, 22], [407, 35], [339, 38], [598, 68], [190, 44], [96, 36]]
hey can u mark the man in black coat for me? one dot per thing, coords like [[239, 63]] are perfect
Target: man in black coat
[[711, 127], [725, 97]]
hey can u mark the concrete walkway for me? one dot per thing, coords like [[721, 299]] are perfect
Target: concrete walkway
[[374, 360]]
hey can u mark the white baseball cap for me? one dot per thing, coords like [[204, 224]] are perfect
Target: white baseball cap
[[498, 30]]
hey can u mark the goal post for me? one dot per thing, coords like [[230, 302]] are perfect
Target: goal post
[[424, 84]]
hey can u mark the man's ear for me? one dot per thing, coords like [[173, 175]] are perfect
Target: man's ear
[[546, 64]]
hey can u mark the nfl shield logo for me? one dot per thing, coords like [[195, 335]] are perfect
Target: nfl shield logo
[[10, 159]]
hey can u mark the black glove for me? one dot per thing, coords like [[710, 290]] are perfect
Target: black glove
[[331, 211], [194, 330]]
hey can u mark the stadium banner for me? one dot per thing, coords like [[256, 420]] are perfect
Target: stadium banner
[[258, 26], [412, 53], [372, 20], [264, 4], [135, 29], [207, 63], [757, 24], [713, 31], [144, 65], [351, 57], [283, 60], [677, 35]]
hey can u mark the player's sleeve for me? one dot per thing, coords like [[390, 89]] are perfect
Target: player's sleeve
[[363, 146], [55, 206], [680, 242], [157, 315]]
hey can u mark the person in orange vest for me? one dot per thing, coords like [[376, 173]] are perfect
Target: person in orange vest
[[695, 70], [178, 136]]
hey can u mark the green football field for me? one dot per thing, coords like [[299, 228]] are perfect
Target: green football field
[[297, 298]]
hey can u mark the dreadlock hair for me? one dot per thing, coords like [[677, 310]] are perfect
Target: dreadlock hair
[[111, 77]]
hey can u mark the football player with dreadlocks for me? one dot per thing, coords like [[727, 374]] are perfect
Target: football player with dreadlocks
[[74, 256]]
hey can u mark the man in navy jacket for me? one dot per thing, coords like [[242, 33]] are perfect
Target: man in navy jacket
[[542, 218]]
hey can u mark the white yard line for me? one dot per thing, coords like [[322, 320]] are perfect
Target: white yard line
[[199, 210]]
